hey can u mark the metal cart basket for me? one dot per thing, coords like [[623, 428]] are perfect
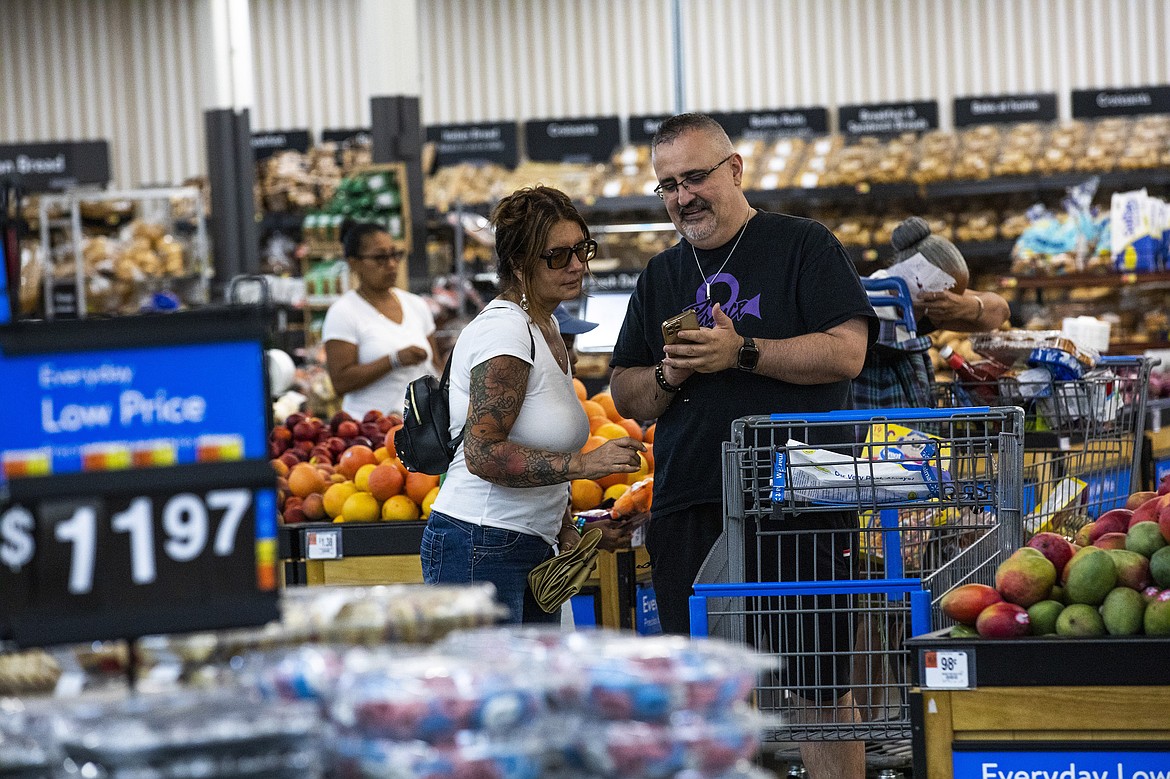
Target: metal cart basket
[[1082, 441], [842, 531]]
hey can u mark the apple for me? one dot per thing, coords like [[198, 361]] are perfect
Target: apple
[[294, 420], [305, 446], [304, 432], [275, 449], [386, 423], [370, 429], [373, 415], [291, 457], [361, 440], [293, 516], [337, 419], [348, 429], [336, 445], [282, 434]]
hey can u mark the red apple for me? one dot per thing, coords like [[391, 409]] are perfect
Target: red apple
[[275, 449], [337, 419], [373, 415], [290, 457], [305, 446], [282, 434], [293, 516], [294, 420], [336, 445], [361, 440], [385, 423], [348, 429], [370, 429], [304, 432]]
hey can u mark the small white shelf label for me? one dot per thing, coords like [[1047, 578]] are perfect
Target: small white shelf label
[[323, 544], [946, 670]]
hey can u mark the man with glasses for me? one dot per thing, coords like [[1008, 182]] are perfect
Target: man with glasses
[[784, 325]]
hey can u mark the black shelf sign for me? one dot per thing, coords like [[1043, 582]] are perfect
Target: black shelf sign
[[1096, 103], [350, 135], [770, 124], [121, 556], [586, 140], [888, 118], [491, 142], [641, 128], [55, 167], [266, 144], [995, 109]]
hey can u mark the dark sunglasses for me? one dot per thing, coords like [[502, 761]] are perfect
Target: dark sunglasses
[[384, 257], [559, 257]]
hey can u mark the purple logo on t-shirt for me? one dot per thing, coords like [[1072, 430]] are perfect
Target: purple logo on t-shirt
[[735, 308]]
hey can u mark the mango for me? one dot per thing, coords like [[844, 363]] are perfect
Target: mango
[[1055, 547], [1025, 578], [1157, 617], [963, 604], [1160, 567], [1003, 620], [1145, 538], [1080, 619], [1080, 553], [1082, 536], [963, 631], [1122, 612], [1110, 541], [1043, 616], [1133, 570], [1090, 578], [1112, 521]]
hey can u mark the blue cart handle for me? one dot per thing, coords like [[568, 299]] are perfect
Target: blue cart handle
[[885, 414]]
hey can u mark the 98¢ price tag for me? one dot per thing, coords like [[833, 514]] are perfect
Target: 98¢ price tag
[[946, 669]]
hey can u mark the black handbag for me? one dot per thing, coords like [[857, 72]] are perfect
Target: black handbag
[[424, 442]]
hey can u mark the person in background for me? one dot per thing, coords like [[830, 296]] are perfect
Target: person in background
[[615, 535], [505, 502], [898, 372], [377, 338], [784, 327]]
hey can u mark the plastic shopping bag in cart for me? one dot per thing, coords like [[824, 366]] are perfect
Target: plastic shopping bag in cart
[[804, 473]]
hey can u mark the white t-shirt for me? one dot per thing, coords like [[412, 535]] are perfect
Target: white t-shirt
[[352, 319], [551, 419]]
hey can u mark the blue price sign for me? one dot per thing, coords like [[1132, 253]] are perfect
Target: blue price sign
[[1063, 764], [1107, 490], [113, 409]]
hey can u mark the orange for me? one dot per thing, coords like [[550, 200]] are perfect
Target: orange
[[386, 481], [585, 493], [642, 472], [611, 430], [605, 400], [649, 455], [592, 443], [418, 485], [382, 454], [399, 507], [429, 501], [596, 422], [398, 464], [579, 387], [389, 442], [353, 458], [615, 492], [362, 477], [648, 436], [304, 480], [644, 496], [632, 427], [360, 507], [614, 478], [593, 409], [336, 496]]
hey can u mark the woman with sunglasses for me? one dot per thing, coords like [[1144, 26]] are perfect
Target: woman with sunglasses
[[377, 338], [505, 502]]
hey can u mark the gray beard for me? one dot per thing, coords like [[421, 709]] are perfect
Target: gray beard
[[699, 231]]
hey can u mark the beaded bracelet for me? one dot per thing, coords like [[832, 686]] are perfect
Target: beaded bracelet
[[577, 524], [660, 377]]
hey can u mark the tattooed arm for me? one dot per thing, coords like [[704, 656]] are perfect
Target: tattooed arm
[[498, 387]]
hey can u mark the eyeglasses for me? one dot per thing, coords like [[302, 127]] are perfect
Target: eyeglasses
[[559, 257], [384, 257], [689, 182]]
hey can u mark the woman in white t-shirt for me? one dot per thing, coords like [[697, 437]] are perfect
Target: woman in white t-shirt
[[377, 338], [505, 501]]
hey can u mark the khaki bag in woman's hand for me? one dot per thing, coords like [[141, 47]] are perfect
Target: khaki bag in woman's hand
[[559, 578]]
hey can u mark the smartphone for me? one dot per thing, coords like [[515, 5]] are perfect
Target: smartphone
[[687, 320]]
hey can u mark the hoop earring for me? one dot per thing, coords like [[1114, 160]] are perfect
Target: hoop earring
[[524, 301]]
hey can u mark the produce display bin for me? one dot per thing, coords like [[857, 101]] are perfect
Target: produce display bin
[[1041, 707]]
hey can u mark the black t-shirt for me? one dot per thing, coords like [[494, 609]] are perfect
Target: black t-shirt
[[788, 277]]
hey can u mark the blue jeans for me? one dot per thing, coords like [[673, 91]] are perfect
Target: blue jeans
[[457, 552]]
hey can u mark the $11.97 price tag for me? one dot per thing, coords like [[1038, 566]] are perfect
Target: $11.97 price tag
[[133, 562]]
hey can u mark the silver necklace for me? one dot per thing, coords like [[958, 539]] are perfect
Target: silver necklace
[[706, 283]]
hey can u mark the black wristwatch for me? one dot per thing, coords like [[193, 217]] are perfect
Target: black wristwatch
[[749, 355]]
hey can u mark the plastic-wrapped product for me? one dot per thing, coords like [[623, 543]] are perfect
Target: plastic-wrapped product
[[474, 756], [432, 697], [24, 751]]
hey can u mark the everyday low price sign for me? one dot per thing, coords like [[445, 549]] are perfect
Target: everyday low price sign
[[1062, 765]]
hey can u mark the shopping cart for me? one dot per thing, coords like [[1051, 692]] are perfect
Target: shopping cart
[[1083, 439], [933, 497]]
